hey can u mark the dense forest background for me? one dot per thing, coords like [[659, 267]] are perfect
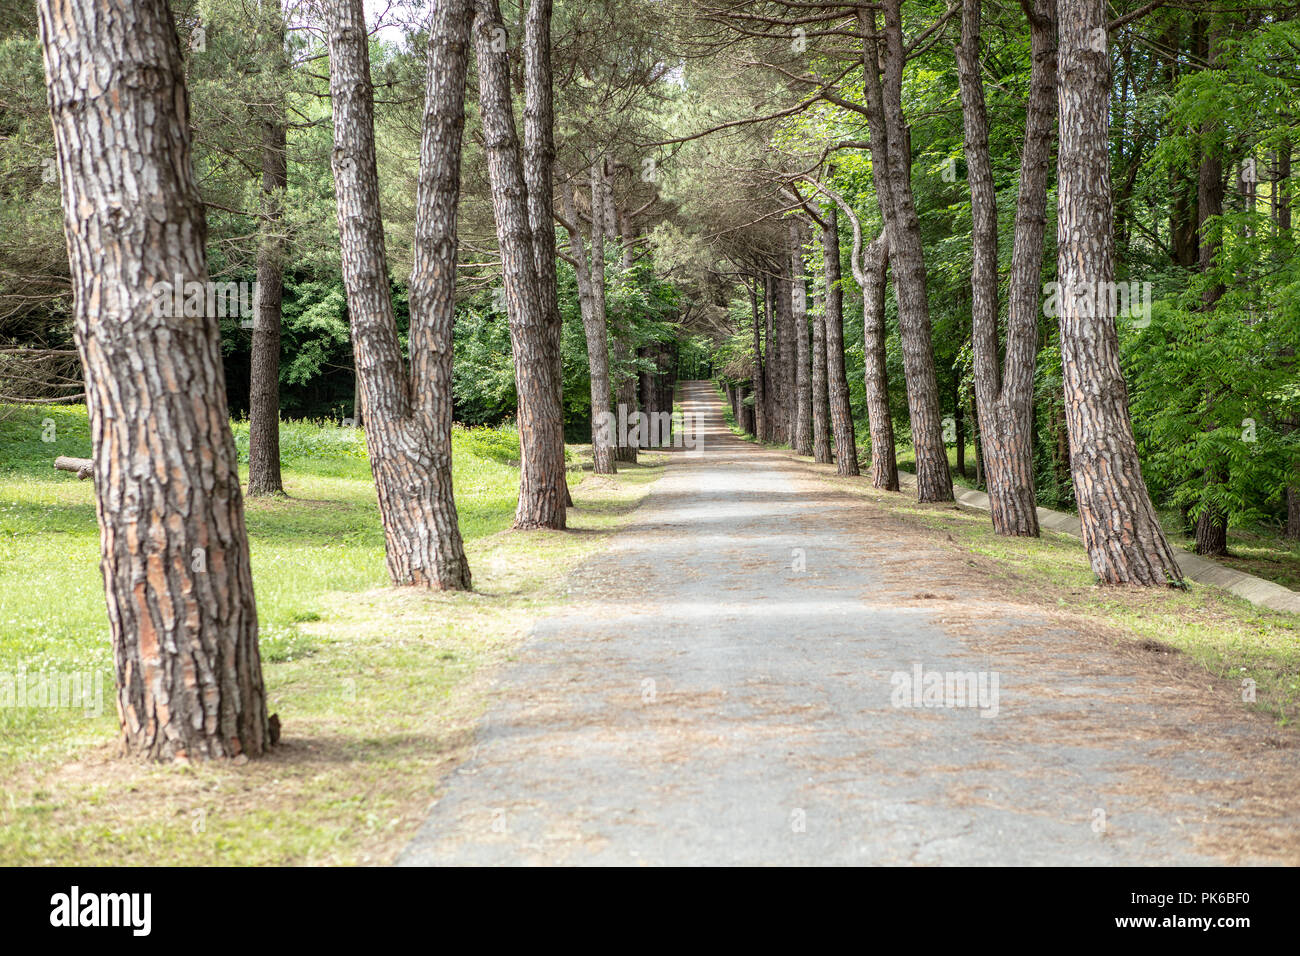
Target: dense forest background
[[1204, 115]]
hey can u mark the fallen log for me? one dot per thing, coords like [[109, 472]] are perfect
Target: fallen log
[[81, 467]]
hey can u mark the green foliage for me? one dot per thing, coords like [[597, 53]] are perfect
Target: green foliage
[[1213, 396]]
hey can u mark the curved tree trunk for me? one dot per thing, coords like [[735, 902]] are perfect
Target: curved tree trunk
[[1120, 530], [264, 375], [870, 265], [408, 418], [173, 546], [846, 443], [542, 490]]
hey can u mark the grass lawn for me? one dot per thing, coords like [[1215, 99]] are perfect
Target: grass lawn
[[375, 687], [906, 456], [1260, 551]]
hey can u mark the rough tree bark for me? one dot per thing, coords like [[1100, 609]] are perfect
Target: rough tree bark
[[597, 326], [1004, 391], [542, 492], [787, 354], [1125, 542], [772, 363], [760, 373], [846, 444], [884, 455], [891, 170], [539, 175], [591, 302], [801, 408], [264, 375], [625, 378], [821, 409], [173, 546], [869, 265], [408, 417]]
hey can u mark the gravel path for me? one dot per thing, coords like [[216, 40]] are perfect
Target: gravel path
[[732, 685]]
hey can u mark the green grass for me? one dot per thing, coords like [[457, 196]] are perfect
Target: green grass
[[368, 680], [1260, 551], [907, 462]]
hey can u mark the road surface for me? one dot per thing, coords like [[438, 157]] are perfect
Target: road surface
[[765, 669]]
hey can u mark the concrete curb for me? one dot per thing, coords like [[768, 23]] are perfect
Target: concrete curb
[[1202, 570]]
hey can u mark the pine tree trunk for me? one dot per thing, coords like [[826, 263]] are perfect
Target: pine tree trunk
[[1005, 395], [173, 545], [891, 167], [1122, 535], [846, 442], [625, 379], [591, 302], [788, 355], [880, 420], [408, 417], [821, 409], [597, 328], [772, 363], [760, 372], [264, 374], [802, 408], [870, 265], [1212, 533], [539, 166], [1061, 454], [959, 420], [625, 400], [542, 492], [645, 382]]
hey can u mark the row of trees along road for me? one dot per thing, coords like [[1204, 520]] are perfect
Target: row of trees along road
[[712, 168]]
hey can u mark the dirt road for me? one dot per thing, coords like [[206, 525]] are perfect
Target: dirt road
[[763, 669]]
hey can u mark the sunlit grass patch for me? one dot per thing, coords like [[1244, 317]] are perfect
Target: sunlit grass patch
[[367, 680]]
